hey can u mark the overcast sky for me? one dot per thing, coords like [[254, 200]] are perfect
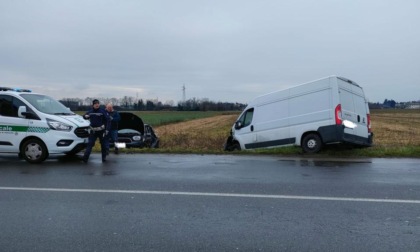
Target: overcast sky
[[223, 50]]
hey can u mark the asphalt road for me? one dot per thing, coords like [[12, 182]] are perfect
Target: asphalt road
[[149, 202]]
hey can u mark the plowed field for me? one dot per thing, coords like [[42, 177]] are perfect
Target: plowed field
[[395, 131], [200, 134]]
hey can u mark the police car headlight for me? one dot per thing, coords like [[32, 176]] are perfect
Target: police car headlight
[[55, 125], [136, 138]]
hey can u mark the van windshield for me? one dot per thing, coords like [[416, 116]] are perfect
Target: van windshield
[[46, 104]]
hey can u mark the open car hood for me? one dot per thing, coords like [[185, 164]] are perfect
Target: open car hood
[[131, 121]]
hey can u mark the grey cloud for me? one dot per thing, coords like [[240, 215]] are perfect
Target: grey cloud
[[221, 50]]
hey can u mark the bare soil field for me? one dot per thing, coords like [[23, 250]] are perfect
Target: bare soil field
[[396, 128], [394, 131], [208, 134]]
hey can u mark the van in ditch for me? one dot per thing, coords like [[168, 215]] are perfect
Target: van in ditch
[[331, 110], [36, 126]]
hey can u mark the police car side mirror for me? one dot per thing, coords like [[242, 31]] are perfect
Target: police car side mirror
[[22, 111], [24, 114]]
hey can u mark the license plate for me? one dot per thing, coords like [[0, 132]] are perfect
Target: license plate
[[120, 145]]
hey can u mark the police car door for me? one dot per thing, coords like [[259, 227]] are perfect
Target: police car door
[[12, 128]]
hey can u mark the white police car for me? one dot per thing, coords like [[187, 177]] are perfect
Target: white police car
[[35, 126]]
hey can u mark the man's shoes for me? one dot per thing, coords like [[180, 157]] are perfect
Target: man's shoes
[[116, 151], [103, 160], [84, 160]]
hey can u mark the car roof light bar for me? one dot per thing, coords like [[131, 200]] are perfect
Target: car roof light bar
[[15, 89]]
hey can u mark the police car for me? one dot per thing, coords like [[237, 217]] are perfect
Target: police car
[[36, 126]]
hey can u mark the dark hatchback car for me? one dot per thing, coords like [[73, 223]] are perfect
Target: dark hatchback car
[[134, 133]]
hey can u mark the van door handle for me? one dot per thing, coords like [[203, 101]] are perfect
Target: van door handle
[[252, 127]]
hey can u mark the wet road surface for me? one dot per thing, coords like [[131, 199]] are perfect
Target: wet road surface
[[159, 202]]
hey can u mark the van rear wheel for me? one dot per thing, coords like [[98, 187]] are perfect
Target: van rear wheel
[[34, 151], [311, 143]]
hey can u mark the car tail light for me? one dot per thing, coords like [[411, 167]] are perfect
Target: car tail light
[[369, 125], [338, 118]]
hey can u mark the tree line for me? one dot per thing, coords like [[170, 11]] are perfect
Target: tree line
[[130, 103], [391, 104]]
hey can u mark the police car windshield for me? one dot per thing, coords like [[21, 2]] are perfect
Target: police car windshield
[[47, 104]]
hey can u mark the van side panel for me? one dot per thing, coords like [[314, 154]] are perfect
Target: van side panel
[[271, 123], [310, 108], [317, 107]]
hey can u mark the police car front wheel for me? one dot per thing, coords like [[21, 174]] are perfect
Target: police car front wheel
[[34, 151]]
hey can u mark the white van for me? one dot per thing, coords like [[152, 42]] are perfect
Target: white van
[[326, 111], [35, 126]]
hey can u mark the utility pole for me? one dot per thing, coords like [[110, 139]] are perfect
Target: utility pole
[[183, 93]]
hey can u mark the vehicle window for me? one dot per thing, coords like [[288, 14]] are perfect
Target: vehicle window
[[47, 104], [246, 117], [6, 105], [9, 105], [16, 104]]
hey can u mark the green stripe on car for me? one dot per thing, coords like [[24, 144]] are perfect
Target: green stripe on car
[[9, 128]]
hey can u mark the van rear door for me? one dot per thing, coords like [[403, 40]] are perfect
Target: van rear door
[[353, 106], [361, 116]]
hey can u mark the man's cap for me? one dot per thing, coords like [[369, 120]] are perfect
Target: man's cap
[[95, 101]]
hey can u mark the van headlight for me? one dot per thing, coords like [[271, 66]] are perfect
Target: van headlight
[[56, 125]]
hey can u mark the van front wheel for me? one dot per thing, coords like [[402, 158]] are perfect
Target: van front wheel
[[34, 151], [311, 143]]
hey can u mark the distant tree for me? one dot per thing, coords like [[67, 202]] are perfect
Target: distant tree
[[140, 105], [88, 101], [376, 105], [389, 103], [207, 105], [169, 103], [150, 105], [129, 103]]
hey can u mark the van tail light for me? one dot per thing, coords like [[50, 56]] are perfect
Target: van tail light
[[369, 126], [338, 118]]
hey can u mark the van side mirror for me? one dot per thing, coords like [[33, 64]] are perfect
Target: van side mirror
[[238, 124]]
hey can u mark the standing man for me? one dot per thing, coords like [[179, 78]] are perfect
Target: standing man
[[99, 128], [115, 117]]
